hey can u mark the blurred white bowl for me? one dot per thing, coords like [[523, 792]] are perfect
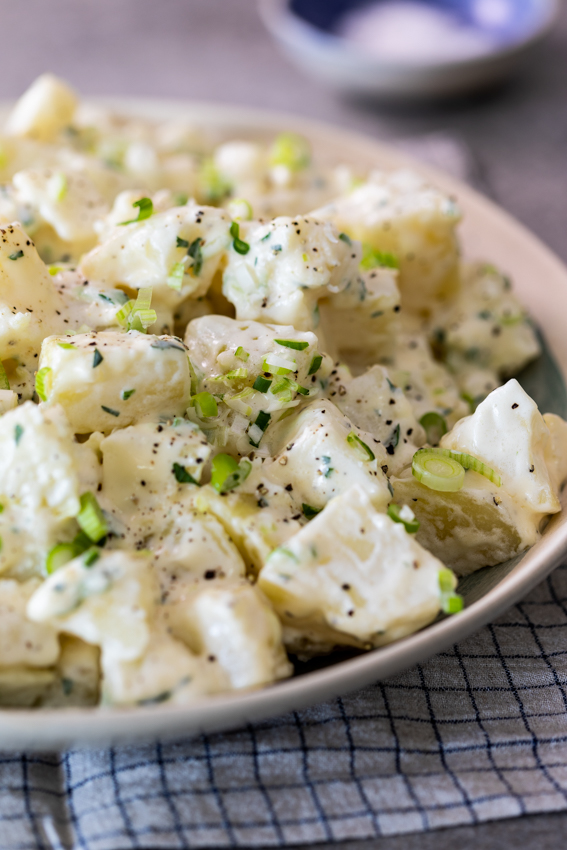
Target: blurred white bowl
[[309, 32]]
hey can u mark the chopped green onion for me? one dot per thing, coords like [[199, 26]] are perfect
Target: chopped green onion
[[91, 519], [255, 435], [435, 426], [241, 353], [53, 270], [292, 343], [393, 440], [238, 244], [196, 254], [315, 364], [237, 402], [110, 410], [18, 433], [182, 476], [60, 555], [206, 405], [182, 243], [263, 420], [234, 373], [345, 238], [262, 384], [16, 255], [371, 258], [305, 258], [227, 473], [363, 450], [58, 186], [277, 365], [309, 512], [44, 382], [438, 472], [447, 581], [175, 277], [137, 315], [145, 210], [125, 394], [214, 186], [464, 460], [452, 604], [4, 382], [97, 358], [404, 515], [239, 209], [166, 343], [291, 150], [302, 390], [91, 556], [67, 345]]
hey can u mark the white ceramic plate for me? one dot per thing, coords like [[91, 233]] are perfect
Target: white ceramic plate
[[540, 280]]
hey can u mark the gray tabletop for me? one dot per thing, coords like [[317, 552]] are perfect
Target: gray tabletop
[[218, 50]]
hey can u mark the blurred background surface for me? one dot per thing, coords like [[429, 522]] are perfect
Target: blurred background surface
[[219, 50]]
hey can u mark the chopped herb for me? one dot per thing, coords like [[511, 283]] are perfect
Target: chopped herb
[[315, 364], [277, 249], [372, 258], [238, 244], [196, 255], [292, 151], [241, 353], [182, 476], [16, 255], [182, 243], [297, 345], [18, 433], [110, 410], [234, 373], [405, 516], [91, 518], [262, 384], [66, 345], [227, 473], [263, 420], [91, 557], [145, 210], [59, 555], [206, 405], [125, 394], [355, 441], [309, 512], [393, 440], [345, 238], [43, 382], [175, 277], [97, 358]]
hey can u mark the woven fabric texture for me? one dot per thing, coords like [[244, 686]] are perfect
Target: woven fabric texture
[[477, 733]]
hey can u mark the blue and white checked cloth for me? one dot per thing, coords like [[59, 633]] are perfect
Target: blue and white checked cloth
[[477, 733]]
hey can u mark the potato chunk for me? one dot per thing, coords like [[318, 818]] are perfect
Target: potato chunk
[[110, 380], [352, 577], [45, 109]]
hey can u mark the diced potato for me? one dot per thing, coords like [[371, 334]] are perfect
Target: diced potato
[[427, 384], [66, 200], [176, 252], [290, 265], [484, 325], [25, 687], [478, 526], [352, 577], [149, 466], [484, 524], [22, 641], [556, 451], [258, 515], [94, 374], [361, 322], [374, 404], [324, 455], [235, 628], [166, 672], [282, 368], [106, 602], [77, 678], [45, 109], [399, 213], [30, 307]]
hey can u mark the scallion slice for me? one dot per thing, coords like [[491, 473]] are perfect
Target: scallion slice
[[145, 210], [175, 277], [196, 254], [227, 473], [363, 450], [315, 364], [438, 472], [182, 476], [462, 459], [59, 555], [262, 384], [277, 365], [309, 511], [91, 518], [238, 244], [404, 515], [435, 426], [239, 209], [372, 258], [296, 344], [44, 382], [4, 382], [291, 150], [241, 353], [234, 373], [451, 602], [206, 405]]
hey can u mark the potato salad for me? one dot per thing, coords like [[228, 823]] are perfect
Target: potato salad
[[252, 409]]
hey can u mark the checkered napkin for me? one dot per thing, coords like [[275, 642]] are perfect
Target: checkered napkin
[[477, 733]]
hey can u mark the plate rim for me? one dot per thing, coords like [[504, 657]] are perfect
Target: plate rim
[[98, 726]]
